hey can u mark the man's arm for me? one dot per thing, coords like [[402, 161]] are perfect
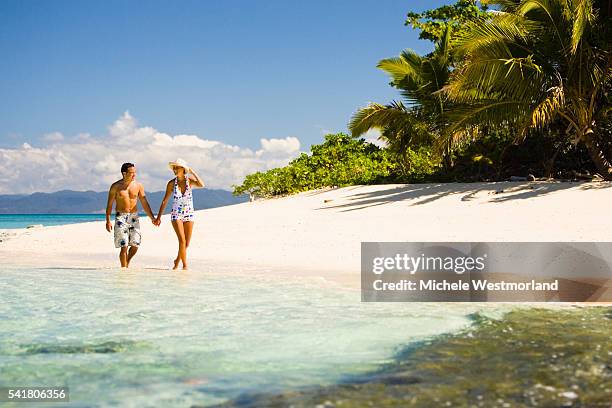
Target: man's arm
[[109, 206], [145, 203], [196, 180]]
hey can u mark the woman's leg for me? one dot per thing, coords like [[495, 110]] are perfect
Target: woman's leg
[[180, 234], [188, 228]]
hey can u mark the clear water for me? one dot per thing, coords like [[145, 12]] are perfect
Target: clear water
[[163, 338], [11, 221]]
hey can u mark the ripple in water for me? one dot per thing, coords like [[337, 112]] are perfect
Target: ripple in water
[[105, 347]]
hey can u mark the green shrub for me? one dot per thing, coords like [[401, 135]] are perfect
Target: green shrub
[[341, 160]]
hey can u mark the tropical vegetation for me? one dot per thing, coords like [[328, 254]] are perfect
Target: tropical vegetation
[[340, 161], [512, 87], [534, 64]]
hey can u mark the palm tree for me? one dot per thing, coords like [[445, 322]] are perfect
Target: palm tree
[[533, 63], [418, 78]]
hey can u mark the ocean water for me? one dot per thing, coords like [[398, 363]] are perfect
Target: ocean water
[[11, 221], [162, 338]]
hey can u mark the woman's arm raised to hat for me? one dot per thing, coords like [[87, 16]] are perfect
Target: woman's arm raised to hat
[[196, 180]]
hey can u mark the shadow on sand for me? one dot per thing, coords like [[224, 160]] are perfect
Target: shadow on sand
[[496, 192]]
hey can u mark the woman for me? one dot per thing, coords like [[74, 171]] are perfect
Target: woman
[[182, 206]]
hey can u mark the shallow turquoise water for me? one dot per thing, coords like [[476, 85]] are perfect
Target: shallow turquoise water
[[163, 338], [11, 221]]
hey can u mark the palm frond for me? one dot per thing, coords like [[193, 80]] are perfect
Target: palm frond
[[487, 112], [447, 141], [495, 34], [442, 50], [553, 13], [513, 78], [377, 116], [583, 17], [544, 113], [407, 65]]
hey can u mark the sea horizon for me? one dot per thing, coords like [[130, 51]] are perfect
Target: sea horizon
[[18, 221]]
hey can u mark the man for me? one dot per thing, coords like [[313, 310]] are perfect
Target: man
[[126, 192]]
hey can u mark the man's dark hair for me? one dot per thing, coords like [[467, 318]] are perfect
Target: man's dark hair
[[126, 166]]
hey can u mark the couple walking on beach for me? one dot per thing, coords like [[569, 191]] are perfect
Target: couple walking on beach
[[126, 193]]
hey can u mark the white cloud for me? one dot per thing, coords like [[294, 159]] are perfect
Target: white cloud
[[53, 137], [85, 162], [372, 136], [279, 147], [124, 126]]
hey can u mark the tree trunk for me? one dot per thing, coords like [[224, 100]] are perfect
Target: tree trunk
[[550, 165], [601, 163]]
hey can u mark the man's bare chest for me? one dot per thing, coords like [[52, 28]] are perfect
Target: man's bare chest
[[127, 193]]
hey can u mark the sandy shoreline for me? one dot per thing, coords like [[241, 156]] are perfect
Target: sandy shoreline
[[318, 233]]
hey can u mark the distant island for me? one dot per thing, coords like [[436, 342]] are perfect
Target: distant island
[[92, 202]]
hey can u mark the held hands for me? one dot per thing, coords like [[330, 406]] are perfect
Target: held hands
[[156, 221], [109, 226]]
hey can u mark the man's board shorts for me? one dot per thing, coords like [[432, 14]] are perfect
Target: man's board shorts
[[127, 230]]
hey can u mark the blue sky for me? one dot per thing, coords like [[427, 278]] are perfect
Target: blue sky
[[233, 87], [234, 71]]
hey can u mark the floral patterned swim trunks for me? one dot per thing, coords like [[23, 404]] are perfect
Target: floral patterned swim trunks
[[127, 230]]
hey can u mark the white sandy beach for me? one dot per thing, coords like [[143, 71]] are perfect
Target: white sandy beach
[[319, 233]]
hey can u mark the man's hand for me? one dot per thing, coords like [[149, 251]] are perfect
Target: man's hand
[[109, 226], [157, 221]]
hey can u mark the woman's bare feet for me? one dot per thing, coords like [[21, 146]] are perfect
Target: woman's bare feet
[[176, 262]]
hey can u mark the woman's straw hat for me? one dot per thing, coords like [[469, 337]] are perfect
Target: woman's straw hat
[[179, 163]]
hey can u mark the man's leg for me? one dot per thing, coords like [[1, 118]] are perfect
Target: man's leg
[[123, 257], [130, 255]]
